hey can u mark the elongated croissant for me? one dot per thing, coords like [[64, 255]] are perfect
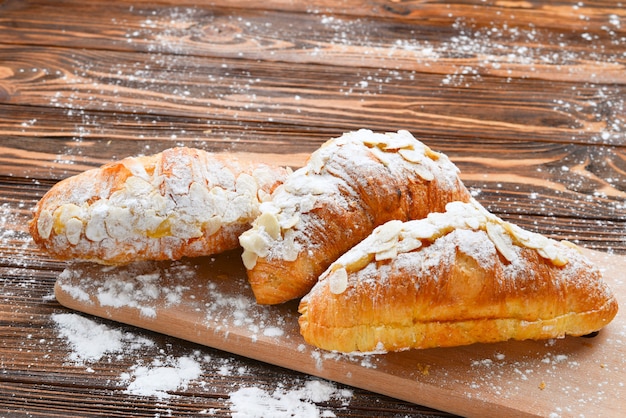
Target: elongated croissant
[[348, 187], [454, 278], [181, 202]]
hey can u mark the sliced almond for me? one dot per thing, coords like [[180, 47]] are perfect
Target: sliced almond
[[212, 225], [95, 230], [118, 223], [73, 230], [376, 140], [381, 156], [501, 240], [136, 186], [388, 230], [252, 241], [268, 221], [316, 162], [246, 184], [388, 254], [399, 140], [423, 171], [338, 281], [64, 213], [408, 244], [290, 222], [249, 259], [411, 155], [44, 224]]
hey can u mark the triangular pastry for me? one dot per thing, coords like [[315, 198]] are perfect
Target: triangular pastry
[[348, 187], [180, 202], [454, 278]]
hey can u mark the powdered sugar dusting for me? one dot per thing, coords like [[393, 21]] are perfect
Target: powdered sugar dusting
[[478, 248], [14, 236], [225, 310], [136, 286], [161, 376], [224, 301], [254, 402], [503, 377], [92, 343]]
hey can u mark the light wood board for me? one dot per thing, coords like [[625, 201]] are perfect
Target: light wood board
[[208, 301]]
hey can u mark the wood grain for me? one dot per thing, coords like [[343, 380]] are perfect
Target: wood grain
[[527, 97], [260, 92], [363, 40]]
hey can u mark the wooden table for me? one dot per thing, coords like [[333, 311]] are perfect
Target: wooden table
[[528, 98]]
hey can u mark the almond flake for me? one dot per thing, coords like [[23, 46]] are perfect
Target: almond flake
[[388, 254], [44, 224], [269, 222], [249, 259], [338, 281], [501, 240], [73, 230], [252, 241], [388, 231]]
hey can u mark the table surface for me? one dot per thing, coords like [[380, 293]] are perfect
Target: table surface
[[528, 98]]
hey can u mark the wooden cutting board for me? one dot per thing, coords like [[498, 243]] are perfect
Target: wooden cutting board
[[208, 301]]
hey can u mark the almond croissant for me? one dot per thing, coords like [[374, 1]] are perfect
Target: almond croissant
[[454, 278], [181, 202], [348, 187]]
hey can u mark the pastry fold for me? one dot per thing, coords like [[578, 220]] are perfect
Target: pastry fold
[[177, 203], [454, 278], [348, 187]]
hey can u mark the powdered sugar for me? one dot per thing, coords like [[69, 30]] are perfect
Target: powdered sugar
[[477, 247], [161, 376], [225, 310], [136, 286], [254, 402], [13, 234], [92, 342], [223, 302]]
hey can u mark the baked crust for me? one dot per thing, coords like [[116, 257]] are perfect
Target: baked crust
[[453, 279], [348, 187], [177, 203]]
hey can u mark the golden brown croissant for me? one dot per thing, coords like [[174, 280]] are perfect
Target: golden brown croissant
[[454, 278], [181, 202], [348, 187]]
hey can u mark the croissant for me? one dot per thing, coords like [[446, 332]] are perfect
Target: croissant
[[454, 278], [348, 187], [181, 202]]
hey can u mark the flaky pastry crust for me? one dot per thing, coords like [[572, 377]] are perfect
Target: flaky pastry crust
[[182, 202], [456, 278], [348, 187]]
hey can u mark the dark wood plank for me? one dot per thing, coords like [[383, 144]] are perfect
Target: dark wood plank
[[121, 83], [565, 42]]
